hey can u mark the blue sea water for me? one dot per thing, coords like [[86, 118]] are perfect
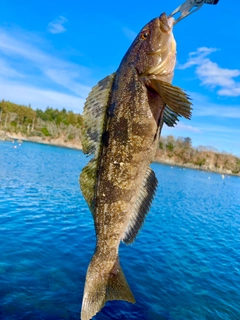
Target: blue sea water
[[184, 265]]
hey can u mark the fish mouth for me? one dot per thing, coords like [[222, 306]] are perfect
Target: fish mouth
[[166, 23], [164, 67]]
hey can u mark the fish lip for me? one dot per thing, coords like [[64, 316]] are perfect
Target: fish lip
[[171, 22], [166, 23]]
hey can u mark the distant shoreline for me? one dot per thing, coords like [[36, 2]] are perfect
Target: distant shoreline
[[59, 142], [194, 167], [76, 144]]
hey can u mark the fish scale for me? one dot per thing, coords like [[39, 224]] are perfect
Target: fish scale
[[123, 117]]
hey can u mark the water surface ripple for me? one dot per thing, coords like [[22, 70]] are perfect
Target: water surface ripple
[[185, 263]]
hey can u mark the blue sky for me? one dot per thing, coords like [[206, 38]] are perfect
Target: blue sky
[[52, 53]]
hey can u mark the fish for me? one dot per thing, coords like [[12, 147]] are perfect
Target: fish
[[122, 121]]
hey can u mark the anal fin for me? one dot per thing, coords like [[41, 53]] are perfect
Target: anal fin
[[87, 181], [142, 206]]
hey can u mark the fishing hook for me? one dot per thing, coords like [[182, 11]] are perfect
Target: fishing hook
[[188, 6]]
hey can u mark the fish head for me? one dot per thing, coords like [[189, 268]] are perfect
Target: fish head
[[153, 52]]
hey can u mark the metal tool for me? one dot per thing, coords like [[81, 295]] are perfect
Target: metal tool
[[190, 6]]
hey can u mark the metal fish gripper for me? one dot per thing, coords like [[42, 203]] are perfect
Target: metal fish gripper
[[189, 7]]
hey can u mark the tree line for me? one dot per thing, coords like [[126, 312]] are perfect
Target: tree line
[[18, 118], [181, 152], [54, 123]]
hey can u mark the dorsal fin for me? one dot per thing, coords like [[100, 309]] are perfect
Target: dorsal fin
[[94, 114], [176, 99], [142, 206], [94, 122]]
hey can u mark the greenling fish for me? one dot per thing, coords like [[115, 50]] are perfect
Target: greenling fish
[[123, 117]]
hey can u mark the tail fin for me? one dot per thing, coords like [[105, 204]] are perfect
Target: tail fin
[[102, 286]]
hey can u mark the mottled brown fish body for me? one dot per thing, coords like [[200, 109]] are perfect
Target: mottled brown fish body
[[129, 148], [118, 183]]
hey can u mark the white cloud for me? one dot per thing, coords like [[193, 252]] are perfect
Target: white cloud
[[40, 98], [211, 74], [196, 58], [218, 129], [15, 47], [181, 126], [233, 92], [6, 69], [202, 107], [220, 136], [68, 79], [24, 68], [130, 34], [56, 26], [212, 124], [202, 130]]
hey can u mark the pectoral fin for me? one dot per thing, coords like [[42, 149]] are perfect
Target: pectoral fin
[[170, 118], [176, 99]]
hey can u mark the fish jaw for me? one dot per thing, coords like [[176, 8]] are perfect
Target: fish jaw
[[155, 55], [153, 51], [165, 56], [166, 22]]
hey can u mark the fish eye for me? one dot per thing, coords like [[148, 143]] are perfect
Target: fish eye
[[144, 34]]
